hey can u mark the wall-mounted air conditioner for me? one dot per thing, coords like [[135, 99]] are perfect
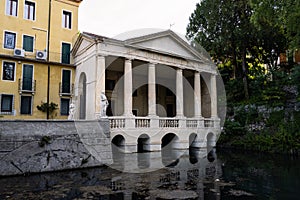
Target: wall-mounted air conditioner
[[19, 52], [42, 55]]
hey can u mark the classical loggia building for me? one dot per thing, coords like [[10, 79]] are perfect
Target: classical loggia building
[[159, 89]]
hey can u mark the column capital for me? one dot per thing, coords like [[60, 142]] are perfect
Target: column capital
[[151, 64], [102, 55], [129, 59], [179, 69]]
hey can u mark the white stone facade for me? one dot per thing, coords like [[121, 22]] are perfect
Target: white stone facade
[[156, 84]]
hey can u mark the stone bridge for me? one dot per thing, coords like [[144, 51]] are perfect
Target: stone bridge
[[142, 134]]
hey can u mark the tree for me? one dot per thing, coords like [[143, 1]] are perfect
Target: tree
[[230, 32], [279, 16], [223, 27]]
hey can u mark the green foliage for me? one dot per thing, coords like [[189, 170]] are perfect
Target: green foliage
[[44, 140], [295, 77], [279, 136], [45, 107]]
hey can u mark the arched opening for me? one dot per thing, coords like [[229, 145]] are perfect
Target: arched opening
[[118, 141], [143, 143], [118, 149], [210, 138], [169, 140], [82, 96], [170, 156], [193, 141]]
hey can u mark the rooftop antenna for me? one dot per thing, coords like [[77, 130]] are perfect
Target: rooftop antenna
[[171, 25]]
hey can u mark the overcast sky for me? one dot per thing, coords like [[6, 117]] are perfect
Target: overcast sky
[[112, 17]]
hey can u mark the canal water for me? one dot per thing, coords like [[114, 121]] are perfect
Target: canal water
[[219, 175]]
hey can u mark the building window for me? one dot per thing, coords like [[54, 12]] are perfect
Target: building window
[[66, 82], [7, 102], [26, 104], [12, 7], [9, 40], [65, 51], [64, 106], [67, 19], [28, 43], [8, 73], [29, 10], [27, 78]]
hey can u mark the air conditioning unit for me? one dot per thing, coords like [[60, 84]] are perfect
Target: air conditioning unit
[[42, 55], [19, 52]]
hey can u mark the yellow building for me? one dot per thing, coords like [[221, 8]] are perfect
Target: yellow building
[[36, 68]]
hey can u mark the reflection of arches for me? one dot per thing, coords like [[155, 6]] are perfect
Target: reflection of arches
[[118, 149], [211, 143], [82, 96], [143, 143], [192, 140], [170, 156]]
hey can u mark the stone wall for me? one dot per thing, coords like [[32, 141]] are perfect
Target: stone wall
[[40, 145]]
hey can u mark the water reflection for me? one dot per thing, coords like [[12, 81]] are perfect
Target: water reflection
[[194, 174]]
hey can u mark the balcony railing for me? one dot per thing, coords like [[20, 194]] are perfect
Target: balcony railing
[[120, 122], [192, 123], [170, 123], [117, 122], [66, 89], [27, 86], [208, 123], [142, 122]]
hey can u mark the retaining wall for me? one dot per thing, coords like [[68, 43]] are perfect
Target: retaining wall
[[40, 145]]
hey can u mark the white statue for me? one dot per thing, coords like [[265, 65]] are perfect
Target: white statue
[[104, 105], [71, 111]]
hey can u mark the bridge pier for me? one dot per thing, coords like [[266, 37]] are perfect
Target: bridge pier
[[131, 148]]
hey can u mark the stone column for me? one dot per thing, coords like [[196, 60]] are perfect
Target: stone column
[[197, 95], [151, 91], [179, 93], [100, 83], [128, 88], [213, 96]]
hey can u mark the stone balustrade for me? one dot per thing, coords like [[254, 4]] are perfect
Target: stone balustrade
[[120, 122]]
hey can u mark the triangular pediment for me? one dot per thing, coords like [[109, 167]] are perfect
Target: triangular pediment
[[83, 42], [166, 42]]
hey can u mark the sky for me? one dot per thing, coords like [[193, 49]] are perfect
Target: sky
[[113, 17]]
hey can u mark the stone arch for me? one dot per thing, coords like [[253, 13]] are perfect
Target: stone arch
[[169, 140], [118, 141], [143, 143], [82, 95], [211, 140]]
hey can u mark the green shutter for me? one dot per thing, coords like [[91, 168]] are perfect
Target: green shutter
[[26, 104], [27, 77], [66, 80], [65, 58], [28, 43]]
